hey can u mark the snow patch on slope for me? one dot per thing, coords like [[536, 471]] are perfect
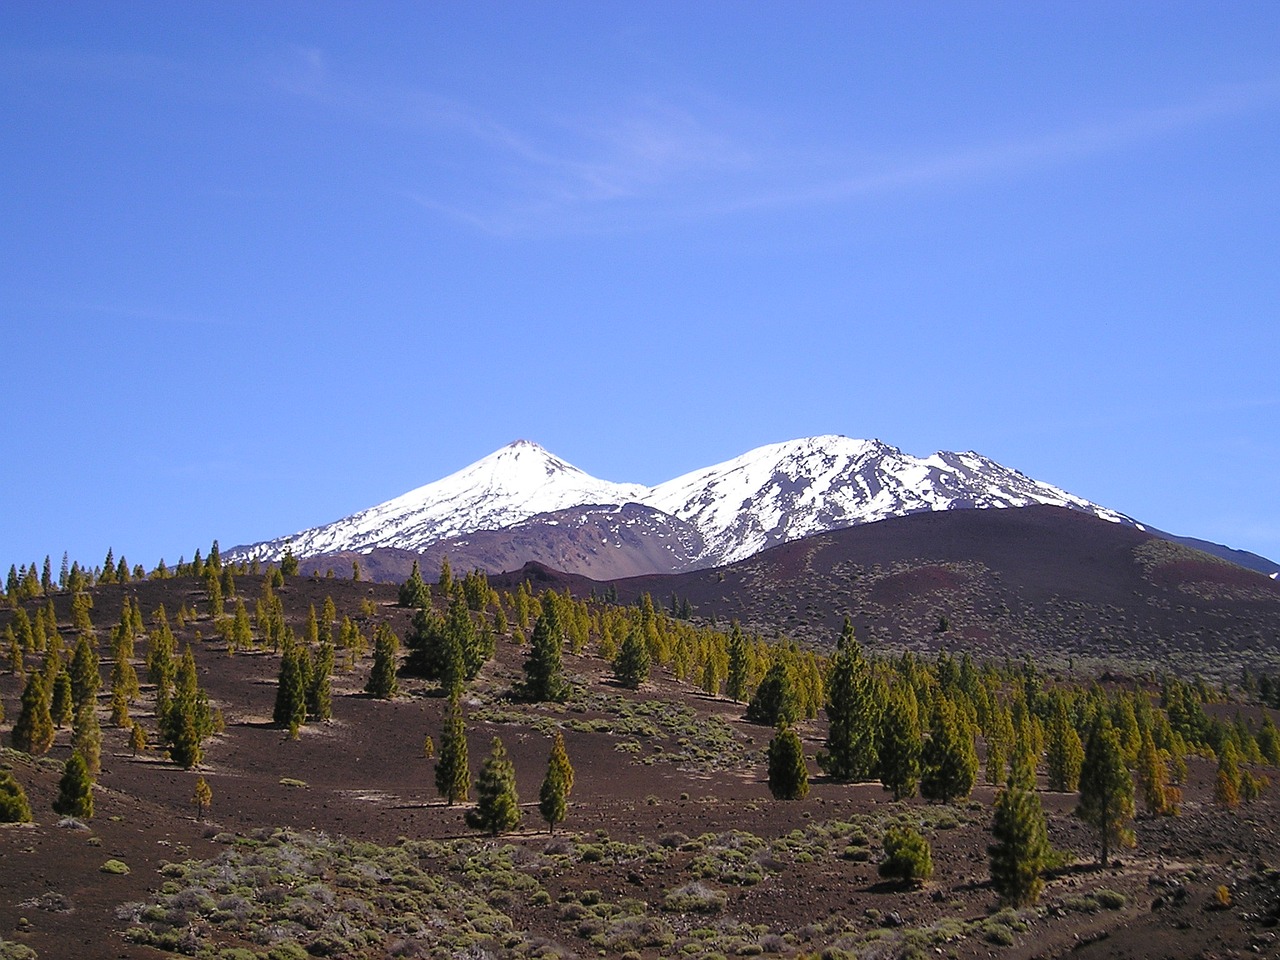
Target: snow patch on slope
[[770, 495]]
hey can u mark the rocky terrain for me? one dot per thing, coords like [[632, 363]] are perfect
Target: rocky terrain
[[673, 845]]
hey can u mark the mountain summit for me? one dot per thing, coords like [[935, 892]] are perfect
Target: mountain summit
[[726, 512]]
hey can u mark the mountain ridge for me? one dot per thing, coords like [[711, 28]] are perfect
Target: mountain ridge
[[708, 517]]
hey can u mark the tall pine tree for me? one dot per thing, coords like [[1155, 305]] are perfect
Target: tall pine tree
[[544, 667], [1106, 789], [497, 808], [453, 769], [854, 735], [949, 759], [553, 796], [788, 774], [901, 739], [1021, 849]]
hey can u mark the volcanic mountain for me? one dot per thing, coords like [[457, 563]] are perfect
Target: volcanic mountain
[[522, 503]]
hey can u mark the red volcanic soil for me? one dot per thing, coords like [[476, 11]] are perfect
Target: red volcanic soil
[[655, 795], [1048, 582]]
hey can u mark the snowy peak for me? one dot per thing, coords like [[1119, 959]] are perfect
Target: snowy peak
[[772, 494], [786, 491], [519, 481]]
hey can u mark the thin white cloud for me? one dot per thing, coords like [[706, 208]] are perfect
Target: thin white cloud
[[983, 161], [649, 160]]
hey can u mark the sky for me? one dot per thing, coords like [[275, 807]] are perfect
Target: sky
[[264, 265]]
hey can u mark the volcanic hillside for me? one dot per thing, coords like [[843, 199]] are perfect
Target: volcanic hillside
[[1032, 581], [334, 843]]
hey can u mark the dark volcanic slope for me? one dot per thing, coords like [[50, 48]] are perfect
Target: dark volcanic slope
[[1039, 580], [601, 542]]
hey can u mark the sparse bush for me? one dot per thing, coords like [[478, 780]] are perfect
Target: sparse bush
[[695, 897], [1110, 899], [908, 857], [117, 867]]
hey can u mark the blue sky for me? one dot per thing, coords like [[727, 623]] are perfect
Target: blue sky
[[263, 265]]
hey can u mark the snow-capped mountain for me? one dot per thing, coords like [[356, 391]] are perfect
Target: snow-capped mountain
[[515, 483], [770, 495], [786, 491]]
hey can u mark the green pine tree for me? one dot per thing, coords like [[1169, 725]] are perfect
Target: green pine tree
[[1064, 755], [949, 760], [739, 665], [75, 790], [901, 740], [86, 738], [202, 797], [775, 700], [853, 712], [1153, 778], [632, 664], [320, 685], [86, 677], [497, 806], [14, 807], [290, 709], [33, 731], [453, 769], [553, 796], [382, 677], [62, 703], [788, 774], [544, 667], [189, 719], [1021, 849], [1106, 789]]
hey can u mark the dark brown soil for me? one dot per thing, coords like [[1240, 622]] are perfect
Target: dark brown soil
[[363, 776]]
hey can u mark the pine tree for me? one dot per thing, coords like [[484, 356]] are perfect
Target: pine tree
[[14, 807], [320, 687], [1226, 786], [460, 630], [453, 770], [775, 700], [788, 774], [189, 719], [739, 665], [445, 580], [553, 796], [382, 678], [137, 738], [1064, 753], [62, 702], [75, 790], [632, 664], [1153, 778], [33, 731], [544, 667], [1106, 789], [854, 735], [901, 740], [425, 643], [86, 677], [1021, 849], [86, 738], [497, 806], [949, 762], [202, 798], [290, 709]]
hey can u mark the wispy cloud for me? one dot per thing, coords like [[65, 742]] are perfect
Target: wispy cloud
[[650, 160], [1055, 146]]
